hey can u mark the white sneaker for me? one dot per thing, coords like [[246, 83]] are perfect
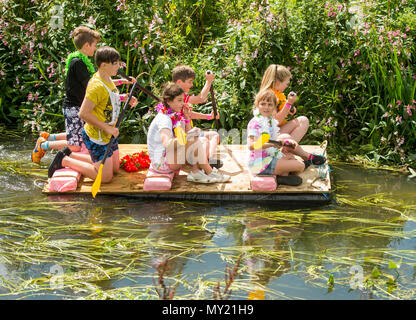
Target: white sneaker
[[218, 176], [199, 177]]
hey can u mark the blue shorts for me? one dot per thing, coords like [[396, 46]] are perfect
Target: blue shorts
[[269, 171], [97, 150]]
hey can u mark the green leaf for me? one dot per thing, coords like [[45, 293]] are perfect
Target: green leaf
[[376, 273], [331, 280], [188, 29], [392, 265]]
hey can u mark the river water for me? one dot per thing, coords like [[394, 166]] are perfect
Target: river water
[[360, 246]]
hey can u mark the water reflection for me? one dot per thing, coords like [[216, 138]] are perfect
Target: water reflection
[[113, 245]]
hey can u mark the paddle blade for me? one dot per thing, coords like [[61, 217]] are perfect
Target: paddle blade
[[256, 295], [181, 135], [261, 140], [97, 182]]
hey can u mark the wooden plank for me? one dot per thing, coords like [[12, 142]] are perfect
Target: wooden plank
[[234, 158]]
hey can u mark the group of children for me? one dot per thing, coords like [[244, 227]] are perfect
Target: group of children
[[92, 105]]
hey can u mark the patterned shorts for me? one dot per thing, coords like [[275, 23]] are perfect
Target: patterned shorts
[[97, 150], [73, 125], [269, 171]]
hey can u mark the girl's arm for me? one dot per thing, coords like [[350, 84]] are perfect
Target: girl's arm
[[282, 114], [167, 138], [85, 113], [287, 141], [187, 110]]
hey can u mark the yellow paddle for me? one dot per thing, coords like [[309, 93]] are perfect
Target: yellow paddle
[[97, 183], [181, 135], [264, 138]]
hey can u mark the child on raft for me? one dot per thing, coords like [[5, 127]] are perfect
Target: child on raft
[[166, 152], [78, 71], [184, 77], [268, 159], [277, 79], [99, 110]]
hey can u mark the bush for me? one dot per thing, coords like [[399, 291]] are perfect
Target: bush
[[352, 63]]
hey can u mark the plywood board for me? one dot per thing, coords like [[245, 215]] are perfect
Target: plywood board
[[234, 157]]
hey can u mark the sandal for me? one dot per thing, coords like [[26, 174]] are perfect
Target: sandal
[[289, 180], [317, 159]]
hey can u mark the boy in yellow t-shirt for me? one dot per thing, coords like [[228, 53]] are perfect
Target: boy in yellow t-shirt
[[100, 110]]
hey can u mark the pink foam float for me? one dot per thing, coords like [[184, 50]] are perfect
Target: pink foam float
[[158, 181], [263, 183], [64, 180]]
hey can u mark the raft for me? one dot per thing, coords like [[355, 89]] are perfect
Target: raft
[[315, 189]]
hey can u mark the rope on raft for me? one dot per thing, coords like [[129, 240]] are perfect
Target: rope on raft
[[323, 170]]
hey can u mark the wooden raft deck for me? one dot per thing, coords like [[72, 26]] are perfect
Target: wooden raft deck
[[313, 188]]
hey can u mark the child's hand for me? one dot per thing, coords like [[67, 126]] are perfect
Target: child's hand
[[133, 102], [290, 143], [112, 131], [292, 98], [187, 109], [292, 110], [209, 76], [211, 116], [131, 81]]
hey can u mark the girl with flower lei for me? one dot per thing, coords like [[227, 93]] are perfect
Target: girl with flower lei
[[169, 153]]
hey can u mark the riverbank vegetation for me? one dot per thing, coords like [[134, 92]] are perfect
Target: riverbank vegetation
[[353, 63]]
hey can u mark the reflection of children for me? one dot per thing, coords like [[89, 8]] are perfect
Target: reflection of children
[[78, 71], [100, 110], [184, 76], [165, 152]]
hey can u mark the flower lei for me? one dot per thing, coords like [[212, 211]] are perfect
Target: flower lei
[[81, 56], [176, 117], [135, 162], [282, 98]]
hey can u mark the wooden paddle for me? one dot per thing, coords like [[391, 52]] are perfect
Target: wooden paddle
[[121, 73], [97, 183], [214, 106]]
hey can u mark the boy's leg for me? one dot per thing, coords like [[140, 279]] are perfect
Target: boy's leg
[[86, 169], [81, 156], [297, 128], [53, 136], [116, 161]]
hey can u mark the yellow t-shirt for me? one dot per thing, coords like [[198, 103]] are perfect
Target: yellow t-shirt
[[103, 110]]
